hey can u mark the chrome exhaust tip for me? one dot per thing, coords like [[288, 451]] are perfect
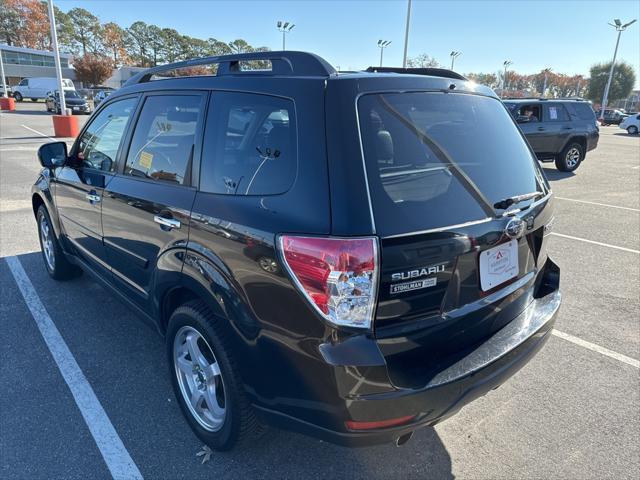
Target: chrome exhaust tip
[[402, 440]]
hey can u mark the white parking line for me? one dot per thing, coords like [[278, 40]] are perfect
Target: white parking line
[[598, 204], [597, 348], [113, 451], [624, 249], [39, 133]]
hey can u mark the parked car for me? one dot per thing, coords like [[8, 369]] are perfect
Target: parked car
[[611, 116], [558, 130], [352, 257], [73, 101], [631, 124], [9, 91], [37, 88], [101, 95]]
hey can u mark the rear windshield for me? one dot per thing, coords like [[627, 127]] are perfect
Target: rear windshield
[[440, 159]]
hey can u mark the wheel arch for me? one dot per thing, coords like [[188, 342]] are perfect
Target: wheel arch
[[581, 139]]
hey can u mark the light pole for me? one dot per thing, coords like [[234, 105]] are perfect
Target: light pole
[[56, 56], [284, 27], [546, 76], [406, 35], [506, 64], [382, 44], [4, 83], [619, 28], [453, 56]]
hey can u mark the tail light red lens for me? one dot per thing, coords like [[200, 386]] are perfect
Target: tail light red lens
[[339, 276]]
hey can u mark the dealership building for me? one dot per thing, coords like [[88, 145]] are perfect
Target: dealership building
[[22, 63]]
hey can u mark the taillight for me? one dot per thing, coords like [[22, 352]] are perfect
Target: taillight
[[338, 276]]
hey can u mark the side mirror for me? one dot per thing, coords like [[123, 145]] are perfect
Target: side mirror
[[53, 155], [523, 119]]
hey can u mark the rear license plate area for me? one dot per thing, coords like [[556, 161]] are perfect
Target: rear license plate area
[[498, 265]]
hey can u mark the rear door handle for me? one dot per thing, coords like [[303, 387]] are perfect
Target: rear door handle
[[92, 197], [541, 129], [166, 222]]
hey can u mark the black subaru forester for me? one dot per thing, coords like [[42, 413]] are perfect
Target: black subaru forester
[[351, 256]]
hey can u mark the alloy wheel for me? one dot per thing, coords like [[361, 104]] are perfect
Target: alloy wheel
[[200, 379], [47, 243], [573, 157], [632, 130]]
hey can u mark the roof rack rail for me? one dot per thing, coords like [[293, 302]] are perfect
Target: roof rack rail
[[432, 72], [546, 99], [302, 64]]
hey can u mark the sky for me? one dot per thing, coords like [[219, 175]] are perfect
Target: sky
[[566, 36]]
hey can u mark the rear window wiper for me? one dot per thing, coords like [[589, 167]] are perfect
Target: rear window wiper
[[507, 202]]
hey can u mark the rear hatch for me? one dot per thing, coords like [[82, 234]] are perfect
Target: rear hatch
[[459, 260]]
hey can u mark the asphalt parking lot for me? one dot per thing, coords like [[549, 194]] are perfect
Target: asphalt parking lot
[[573, 412]]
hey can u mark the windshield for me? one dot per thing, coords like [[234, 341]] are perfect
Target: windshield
[[71, 94], [440, 159]]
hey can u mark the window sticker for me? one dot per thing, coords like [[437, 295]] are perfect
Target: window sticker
[[553, 113], [145, 160]]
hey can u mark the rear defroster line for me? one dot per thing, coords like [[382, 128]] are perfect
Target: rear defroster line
[[113, 451]]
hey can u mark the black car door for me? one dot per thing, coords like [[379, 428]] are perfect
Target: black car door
[[558, 126], [79, 185], [146, 207], [532, 127]]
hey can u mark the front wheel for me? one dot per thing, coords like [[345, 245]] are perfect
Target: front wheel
[[17, 97], [632, 130], [57, 265], [570, 158], [206, 379]]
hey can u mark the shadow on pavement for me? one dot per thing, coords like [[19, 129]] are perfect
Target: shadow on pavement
[[126, 364], [553, 174], [625, 134]]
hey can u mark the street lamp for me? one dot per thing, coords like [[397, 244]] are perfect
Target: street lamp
[[2, 81], [546, 76], [506, 64], [284, 27], [453, 56], [406, 35], [619, 28], [382, 44]]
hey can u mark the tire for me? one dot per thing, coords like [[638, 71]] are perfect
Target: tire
[[570, 158], [213, 377], [17, 97], [55, 261], [34, 100], [632, 130]]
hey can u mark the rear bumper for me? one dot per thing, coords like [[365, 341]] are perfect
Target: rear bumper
[[592, 141], [482, 370]]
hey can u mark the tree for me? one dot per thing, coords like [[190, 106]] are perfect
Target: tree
[[11, 22], [139, 34], [86, 29], [422, 61], [488, 79], [172, 45], [216, 47], [93, 69], [240, 46], [113, 40], [622, 82], [24, 23]]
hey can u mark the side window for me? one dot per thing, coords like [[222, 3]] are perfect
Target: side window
[[584, 111], [24, 82], [556, 113], [163, 141], [250, 145], [98, 145]]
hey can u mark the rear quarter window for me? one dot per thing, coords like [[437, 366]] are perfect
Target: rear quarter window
[[250, 145], [584, 111]]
